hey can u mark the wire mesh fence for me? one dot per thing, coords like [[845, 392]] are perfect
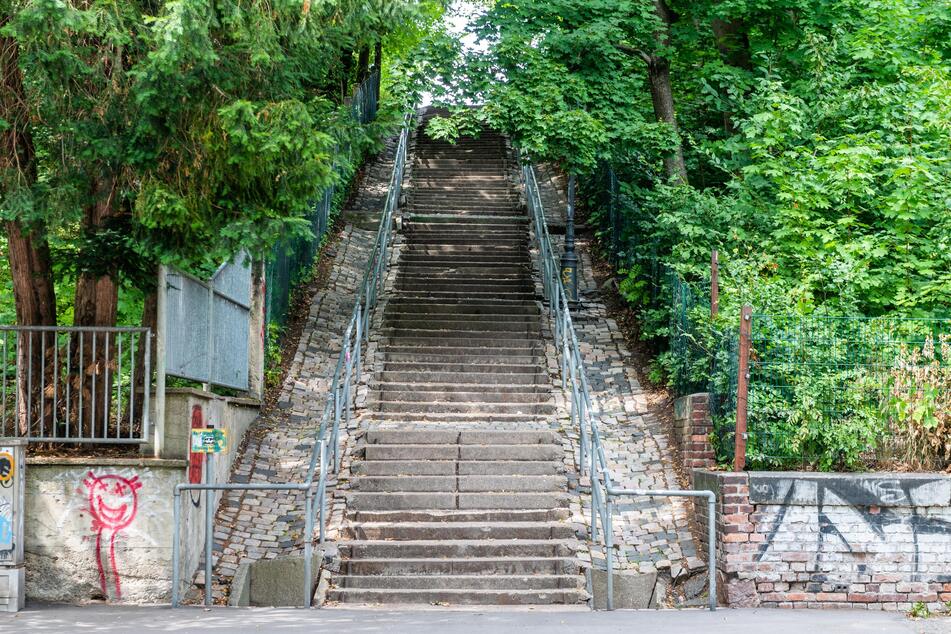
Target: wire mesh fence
[[829, 393], [292, 258]]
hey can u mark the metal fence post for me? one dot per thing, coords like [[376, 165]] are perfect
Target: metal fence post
[[742, 388], [712, 549], [161, 320], [209, 526]]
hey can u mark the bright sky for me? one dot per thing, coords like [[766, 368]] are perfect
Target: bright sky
[[460, 14]]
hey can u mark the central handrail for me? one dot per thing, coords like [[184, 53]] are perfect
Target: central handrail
[[585, 412], [325, 453]]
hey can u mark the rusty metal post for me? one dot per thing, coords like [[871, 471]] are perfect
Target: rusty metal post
[[743, 388], [714, 284]]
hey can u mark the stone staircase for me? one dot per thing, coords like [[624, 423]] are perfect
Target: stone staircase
[[458, 492]]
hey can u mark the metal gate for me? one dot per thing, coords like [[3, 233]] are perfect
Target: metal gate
[[208, 324]]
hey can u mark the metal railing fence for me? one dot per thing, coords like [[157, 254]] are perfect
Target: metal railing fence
[[325, 454], [75, 384], [838, 392], [585, 412]]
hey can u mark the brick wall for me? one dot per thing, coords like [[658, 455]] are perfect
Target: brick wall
[[877, 541], [692, 429]]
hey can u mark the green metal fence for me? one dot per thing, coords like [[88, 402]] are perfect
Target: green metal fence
[[291, 259], [843, 393]]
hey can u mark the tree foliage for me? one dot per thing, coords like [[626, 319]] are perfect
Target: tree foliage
[[183, 130], [816, 135]]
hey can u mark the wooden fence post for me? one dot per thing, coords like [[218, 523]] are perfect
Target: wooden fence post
[[714, 284], [743, 388]]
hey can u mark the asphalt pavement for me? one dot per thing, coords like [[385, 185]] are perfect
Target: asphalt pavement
[[109, 619]]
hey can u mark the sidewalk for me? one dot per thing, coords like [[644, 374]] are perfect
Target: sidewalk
[[100, 618]]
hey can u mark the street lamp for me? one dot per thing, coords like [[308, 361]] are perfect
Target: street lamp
[[569, 259]]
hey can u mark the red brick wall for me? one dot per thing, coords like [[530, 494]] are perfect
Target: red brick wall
[[794, 540], [692, 428]]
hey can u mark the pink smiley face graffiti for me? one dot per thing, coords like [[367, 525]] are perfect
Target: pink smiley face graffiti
[[113, 500], [113, 504]]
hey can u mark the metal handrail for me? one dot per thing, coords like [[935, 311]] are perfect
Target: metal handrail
[[585, 412], [325, 454]]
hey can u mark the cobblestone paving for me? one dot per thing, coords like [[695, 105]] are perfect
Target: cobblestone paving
[[650, 534], [255, 525]]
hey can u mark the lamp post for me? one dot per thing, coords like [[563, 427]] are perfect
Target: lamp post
[[569, 259]]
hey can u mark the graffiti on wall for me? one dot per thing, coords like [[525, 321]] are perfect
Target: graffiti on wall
[[113, 504], [874, 504]]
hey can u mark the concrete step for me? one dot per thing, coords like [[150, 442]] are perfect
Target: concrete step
[[472, 364], [461, 437], [513, 296], [429, 241], [450, 388], [461, 582], [454, 395], [452, 549], [440, 284], [456, 467], [474, 407], [462, 483], [453, 221], [456, 420], [426, 248], [452, 516], [369, 501], [468, 566], [459, 340], [528, 326], [462, 378], [457, 597], [473, 306], [483, 451], [394, 314], [449, 259], [451, 211], [458, 337]]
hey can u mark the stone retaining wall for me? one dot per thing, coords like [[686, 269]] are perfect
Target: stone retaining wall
[[789, 539]]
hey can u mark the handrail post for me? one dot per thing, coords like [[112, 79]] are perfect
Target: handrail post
[[308, 546], [321, 489], [209, 527], [176, 544], [712, 548], [357, 345], [609, 545], [742, 389]]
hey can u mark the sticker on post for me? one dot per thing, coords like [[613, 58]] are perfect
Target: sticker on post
[[7, 467], [209, 440]]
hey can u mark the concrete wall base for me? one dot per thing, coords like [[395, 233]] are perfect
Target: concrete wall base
[[632, 590], [274, 582]]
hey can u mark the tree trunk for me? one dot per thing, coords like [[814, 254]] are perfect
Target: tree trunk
[[734, 47], [658, 70], [378, 62], [347, 60], [363, 64], [27, 249], [96, 303]]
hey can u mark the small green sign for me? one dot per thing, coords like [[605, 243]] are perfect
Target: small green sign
[[209, 440]]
